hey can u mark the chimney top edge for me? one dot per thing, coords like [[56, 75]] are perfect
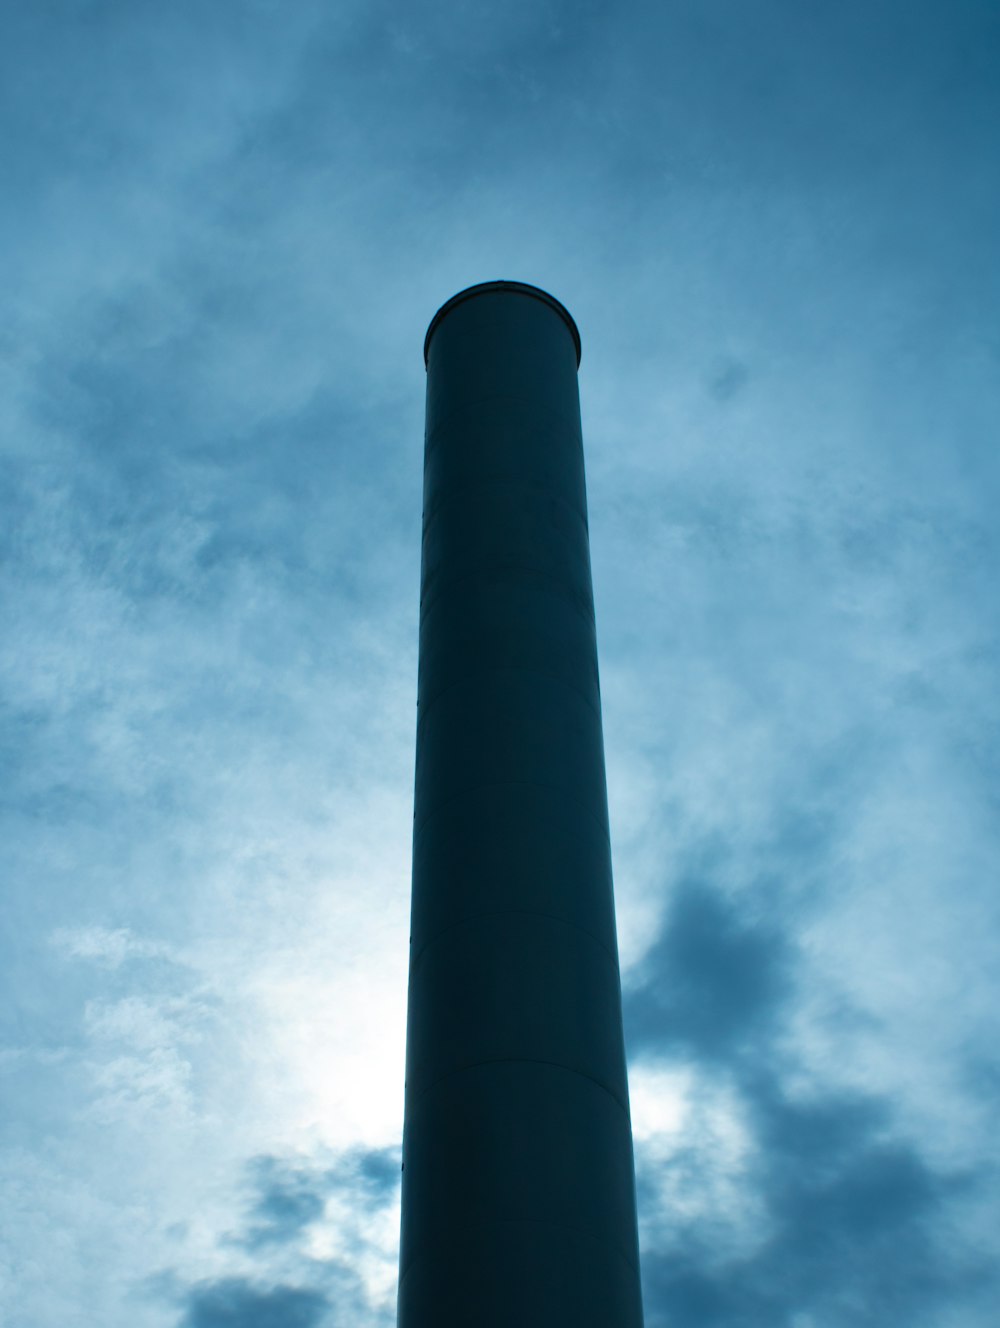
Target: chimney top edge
[[514, 288]]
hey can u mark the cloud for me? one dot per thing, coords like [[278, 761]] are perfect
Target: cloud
[[728, 379], [237, 1303], [290, 1194], [228, 227], [288, 1199], [109, 947], [712, 984], [850, 1225], [769, 1192], [317, 1244], [372, 1174]]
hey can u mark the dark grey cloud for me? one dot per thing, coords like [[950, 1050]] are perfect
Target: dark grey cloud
[[859, 1213], [713, 984], [288, 1199], [373, 1173], [238, 1303], [728, 379], [291, 1194], [853, 1224], [848, 1219]]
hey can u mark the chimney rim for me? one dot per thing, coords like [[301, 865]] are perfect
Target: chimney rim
[[514, 288]]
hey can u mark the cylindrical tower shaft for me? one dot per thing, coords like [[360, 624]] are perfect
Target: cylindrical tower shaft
[[518, 1179]]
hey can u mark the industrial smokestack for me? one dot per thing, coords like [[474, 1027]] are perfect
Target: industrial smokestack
[[518, 1176]]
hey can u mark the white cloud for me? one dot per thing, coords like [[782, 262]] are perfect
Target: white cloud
[[106, 946]]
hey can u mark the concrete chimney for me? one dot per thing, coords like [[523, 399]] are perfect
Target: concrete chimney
[[518, 1176]]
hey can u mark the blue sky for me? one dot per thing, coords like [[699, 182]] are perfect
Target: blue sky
[[225, 230]]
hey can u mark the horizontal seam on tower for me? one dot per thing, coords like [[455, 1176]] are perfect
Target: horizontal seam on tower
[[524, 1060], [517, 912], [426, 602], [505, 668], [430, 515], [499, 783], [476, 408], [526, 1221]]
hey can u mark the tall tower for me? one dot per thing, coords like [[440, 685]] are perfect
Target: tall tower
[[518, 1176]]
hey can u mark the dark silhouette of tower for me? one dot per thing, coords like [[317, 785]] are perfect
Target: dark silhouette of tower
[[518, 1178]]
